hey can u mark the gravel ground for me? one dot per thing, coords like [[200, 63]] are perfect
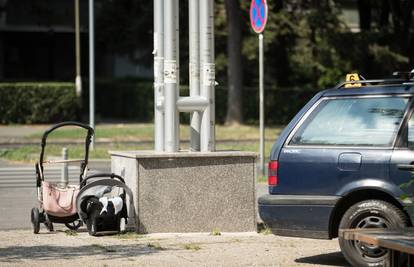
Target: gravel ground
[[60, 248]]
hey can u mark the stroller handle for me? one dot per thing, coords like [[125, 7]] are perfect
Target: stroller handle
[[101, 175], [67, 123], [88, 140]]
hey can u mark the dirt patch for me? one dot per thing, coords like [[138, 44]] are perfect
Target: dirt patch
[[22, 248]]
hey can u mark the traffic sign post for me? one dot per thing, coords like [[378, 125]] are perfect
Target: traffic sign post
[[258, 20]]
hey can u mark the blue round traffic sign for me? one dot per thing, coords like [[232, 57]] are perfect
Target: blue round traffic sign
[[258, 15]]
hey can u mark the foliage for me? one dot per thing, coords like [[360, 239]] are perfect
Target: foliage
[[309, 46], [129, 99], [192, 247], [37, 102], [156, 246], [122, 99], [120, 30], [215, 232], [71, 233]]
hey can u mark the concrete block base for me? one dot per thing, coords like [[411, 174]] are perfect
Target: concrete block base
[[190, 191]]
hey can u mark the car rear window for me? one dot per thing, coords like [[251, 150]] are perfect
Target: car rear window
[[364, 121]]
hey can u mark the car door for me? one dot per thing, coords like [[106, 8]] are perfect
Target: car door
[[338, 142], [402, 160]]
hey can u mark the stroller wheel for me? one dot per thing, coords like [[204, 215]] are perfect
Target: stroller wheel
[[74, 225], [49, 226], [92, 227], [48, 223], [35, 217]]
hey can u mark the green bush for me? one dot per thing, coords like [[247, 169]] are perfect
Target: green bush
[[124, 99], [132, 100], [37, 102]]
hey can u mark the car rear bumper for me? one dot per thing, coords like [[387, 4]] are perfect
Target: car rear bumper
[[298, 215]]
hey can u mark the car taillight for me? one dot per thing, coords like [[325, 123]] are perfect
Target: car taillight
[[272, 174]]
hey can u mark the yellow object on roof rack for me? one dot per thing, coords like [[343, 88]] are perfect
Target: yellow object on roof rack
[[351, 77]]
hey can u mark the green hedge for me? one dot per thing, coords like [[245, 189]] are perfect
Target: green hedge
[[37, 102], [121, 99], [129, 100], [133, 100]]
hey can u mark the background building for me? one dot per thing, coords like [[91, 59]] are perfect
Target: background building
[[37, 43]]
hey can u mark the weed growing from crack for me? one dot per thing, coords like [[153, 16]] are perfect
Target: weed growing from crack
[[102, 247], [216, 232], [155, 245], [192, 247]]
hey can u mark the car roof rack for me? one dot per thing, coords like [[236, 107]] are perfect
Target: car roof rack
[[405, 78]]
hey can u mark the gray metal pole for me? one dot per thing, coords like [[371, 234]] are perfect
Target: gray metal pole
[[207, 74], [194, 69], [64, 177], [91, 69], [159, 75], [177, 88], [78, 79], [170, 75], [262, 133]]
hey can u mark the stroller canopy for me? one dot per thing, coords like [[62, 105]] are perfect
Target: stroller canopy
[[98, 188]]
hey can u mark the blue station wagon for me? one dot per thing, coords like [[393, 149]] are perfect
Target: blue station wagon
[[340, 163]]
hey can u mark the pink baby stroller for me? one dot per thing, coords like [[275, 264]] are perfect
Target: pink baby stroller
[[57, 202]]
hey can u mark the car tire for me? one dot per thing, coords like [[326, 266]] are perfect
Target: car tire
[[369, 214]]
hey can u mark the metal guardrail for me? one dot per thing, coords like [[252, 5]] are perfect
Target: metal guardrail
[[23, 177]]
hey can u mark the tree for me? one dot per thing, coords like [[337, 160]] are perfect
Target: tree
[[235, 69]]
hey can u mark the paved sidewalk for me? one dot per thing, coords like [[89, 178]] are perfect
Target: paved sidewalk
[[15, 133], [22, 248]]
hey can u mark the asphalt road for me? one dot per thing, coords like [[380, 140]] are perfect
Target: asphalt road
[[16, 203]]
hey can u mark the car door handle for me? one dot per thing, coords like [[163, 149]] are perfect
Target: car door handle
[[406, 167]]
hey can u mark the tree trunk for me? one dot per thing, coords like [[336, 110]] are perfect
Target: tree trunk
[[235, 69], [384, 14], [364, 10]]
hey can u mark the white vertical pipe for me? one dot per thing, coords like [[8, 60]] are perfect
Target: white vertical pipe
[[194, 71], [207, 134], [158, 75], [261, 103], [78, 78], [91, 69], [177, 51], [64, 176], [170, 75]]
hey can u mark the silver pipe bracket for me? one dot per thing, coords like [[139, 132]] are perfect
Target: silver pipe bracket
[[192, 103]]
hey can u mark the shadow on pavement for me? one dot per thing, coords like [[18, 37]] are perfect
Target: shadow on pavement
[[332, 259], [48, 252]]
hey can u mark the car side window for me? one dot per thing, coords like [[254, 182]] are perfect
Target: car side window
[[364, 121], [411, 132]]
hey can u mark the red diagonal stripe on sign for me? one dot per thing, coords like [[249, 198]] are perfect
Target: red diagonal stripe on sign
[[258, 15]]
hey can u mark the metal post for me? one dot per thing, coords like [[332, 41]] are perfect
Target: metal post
[[91, 69], [170, 75], [159, 75], [64, 180], [177, 88], [194, 71], [262, 133], [207, 77], [78, 79]]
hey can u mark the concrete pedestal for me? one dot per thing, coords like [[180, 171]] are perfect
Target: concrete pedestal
[[190, 191]]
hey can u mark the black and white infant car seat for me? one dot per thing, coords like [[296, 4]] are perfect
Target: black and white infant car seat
[[101, 203]]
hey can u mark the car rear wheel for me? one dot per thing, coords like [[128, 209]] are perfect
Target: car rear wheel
[[369, 214]]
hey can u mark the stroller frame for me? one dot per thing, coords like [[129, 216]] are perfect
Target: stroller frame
[[39, 216], [90, 219]]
